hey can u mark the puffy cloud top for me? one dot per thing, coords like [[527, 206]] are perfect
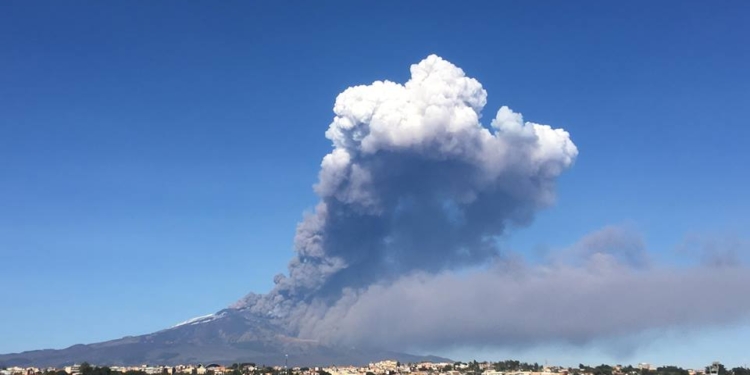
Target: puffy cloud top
[[435, 115]]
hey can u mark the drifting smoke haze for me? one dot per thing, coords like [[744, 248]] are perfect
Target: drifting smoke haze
[[417, 187], [602, 296]]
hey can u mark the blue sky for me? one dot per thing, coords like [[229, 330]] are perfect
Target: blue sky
[[156, 157]]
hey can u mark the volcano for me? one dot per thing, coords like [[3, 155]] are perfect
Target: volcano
[[228, 336], [414, 184]]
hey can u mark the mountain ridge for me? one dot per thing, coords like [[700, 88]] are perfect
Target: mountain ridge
[[228, 336]]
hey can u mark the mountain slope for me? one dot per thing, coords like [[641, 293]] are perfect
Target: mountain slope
[[225, 337]]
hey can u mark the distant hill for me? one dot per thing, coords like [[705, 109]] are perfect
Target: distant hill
[[225, 337]]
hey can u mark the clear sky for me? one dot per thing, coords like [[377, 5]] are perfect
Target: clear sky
[[155, 157]]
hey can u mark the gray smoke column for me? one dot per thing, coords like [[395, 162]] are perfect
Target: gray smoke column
[[415, 182], [417, 187]]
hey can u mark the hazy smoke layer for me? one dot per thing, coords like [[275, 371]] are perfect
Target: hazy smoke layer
[[415, 182], [602, 294]]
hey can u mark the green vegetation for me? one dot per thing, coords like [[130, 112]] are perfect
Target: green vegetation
[[513, 365], [464, 368]]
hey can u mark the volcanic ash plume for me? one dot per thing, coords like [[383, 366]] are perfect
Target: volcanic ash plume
[[415, 183]]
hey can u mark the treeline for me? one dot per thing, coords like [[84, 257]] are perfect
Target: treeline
[[664, 370], [234, 369], [609, 370], [472, 368], [513, 365], [735, 371], [87, 369]]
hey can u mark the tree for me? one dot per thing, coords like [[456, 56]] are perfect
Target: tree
[[602, 370], [671, 370], [86, 369], [722, 369], [508, 365]]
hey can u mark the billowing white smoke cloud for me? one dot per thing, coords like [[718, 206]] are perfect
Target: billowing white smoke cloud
[[415, 183], [415, 187]]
